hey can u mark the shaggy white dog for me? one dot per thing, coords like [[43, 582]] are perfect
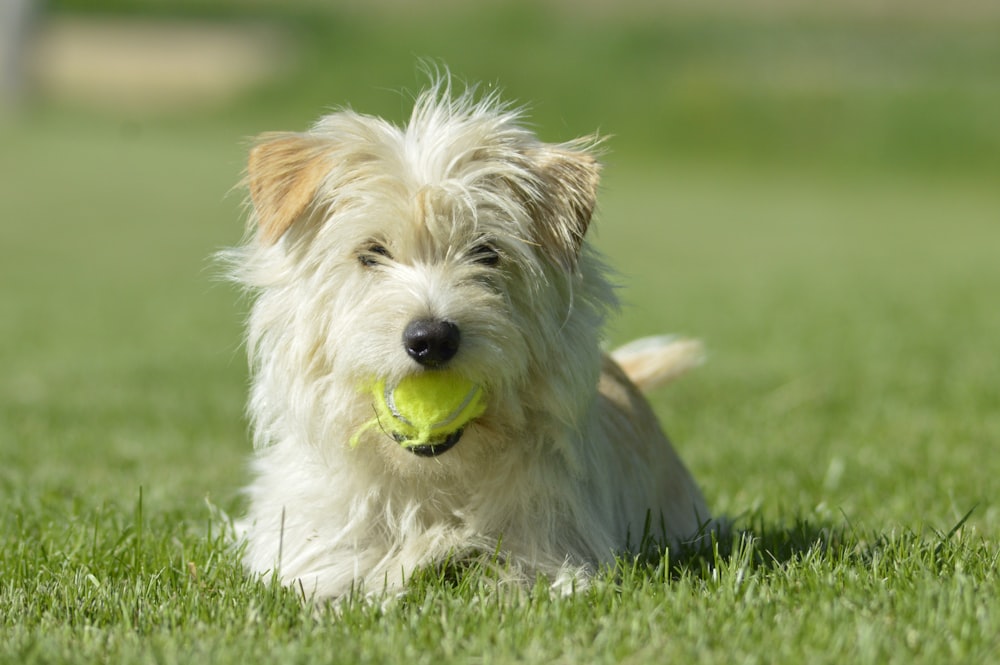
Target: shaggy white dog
[[454, 242]]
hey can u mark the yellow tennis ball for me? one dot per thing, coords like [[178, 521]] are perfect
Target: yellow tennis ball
[[427, 408]]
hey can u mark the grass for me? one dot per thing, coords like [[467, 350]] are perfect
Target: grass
[[846, 288], [133, 587]]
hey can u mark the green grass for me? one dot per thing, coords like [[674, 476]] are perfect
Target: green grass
[[846, 288], [129, 587]]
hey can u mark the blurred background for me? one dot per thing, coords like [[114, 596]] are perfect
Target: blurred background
[[810, 187]]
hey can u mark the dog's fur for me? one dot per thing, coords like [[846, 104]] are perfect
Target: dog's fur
[[358, 227]]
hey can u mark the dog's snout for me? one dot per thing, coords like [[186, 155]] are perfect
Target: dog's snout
[[431, 342]]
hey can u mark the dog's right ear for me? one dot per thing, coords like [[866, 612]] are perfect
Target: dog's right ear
[[284, 172]]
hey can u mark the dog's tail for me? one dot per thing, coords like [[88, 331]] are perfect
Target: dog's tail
[[651, 362]]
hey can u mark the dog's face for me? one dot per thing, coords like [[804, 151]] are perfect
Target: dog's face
[[456, 242]]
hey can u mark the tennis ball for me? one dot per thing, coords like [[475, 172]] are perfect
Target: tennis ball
[[426, 408]]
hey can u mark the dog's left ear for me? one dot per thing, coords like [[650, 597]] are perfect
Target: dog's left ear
[[284, 172], [568, 179]]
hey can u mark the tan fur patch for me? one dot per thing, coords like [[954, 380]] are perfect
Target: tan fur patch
[[569, 179], [284, 172]]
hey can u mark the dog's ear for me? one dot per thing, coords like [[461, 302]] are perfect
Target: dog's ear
[[567, 177], [283, 172]]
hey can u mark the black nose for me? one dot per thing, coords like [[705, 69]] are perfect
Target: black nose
[[431, 342]]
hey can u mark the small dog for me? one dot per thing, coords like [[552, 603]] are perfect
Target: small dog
[[455, 242]]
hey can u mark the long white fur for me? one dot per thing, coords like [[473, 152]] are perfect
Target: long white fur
[[651, 362], [556, 476]]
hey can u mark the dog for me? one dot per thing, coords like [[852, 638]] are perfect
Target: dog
[[466, 228]]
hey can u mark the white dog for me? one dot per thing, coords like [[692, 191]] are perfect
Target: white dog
[[455, 242]]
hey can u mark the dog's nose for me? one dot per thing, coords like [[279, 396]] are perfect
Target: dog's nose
[[431, 342]]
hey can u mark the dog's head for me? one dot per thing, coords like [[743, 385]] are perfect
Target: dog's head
[[454, 242]]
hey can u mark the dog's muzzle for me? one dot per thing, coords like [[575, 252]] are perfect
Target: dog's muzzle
[[433, 449]]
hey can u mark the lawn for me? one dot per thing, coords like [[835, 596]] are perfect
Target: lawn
[[815, 196]]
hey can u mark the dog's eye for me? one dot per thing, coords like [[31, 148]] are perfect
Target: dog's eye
[[370, 254], [485, 254]]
